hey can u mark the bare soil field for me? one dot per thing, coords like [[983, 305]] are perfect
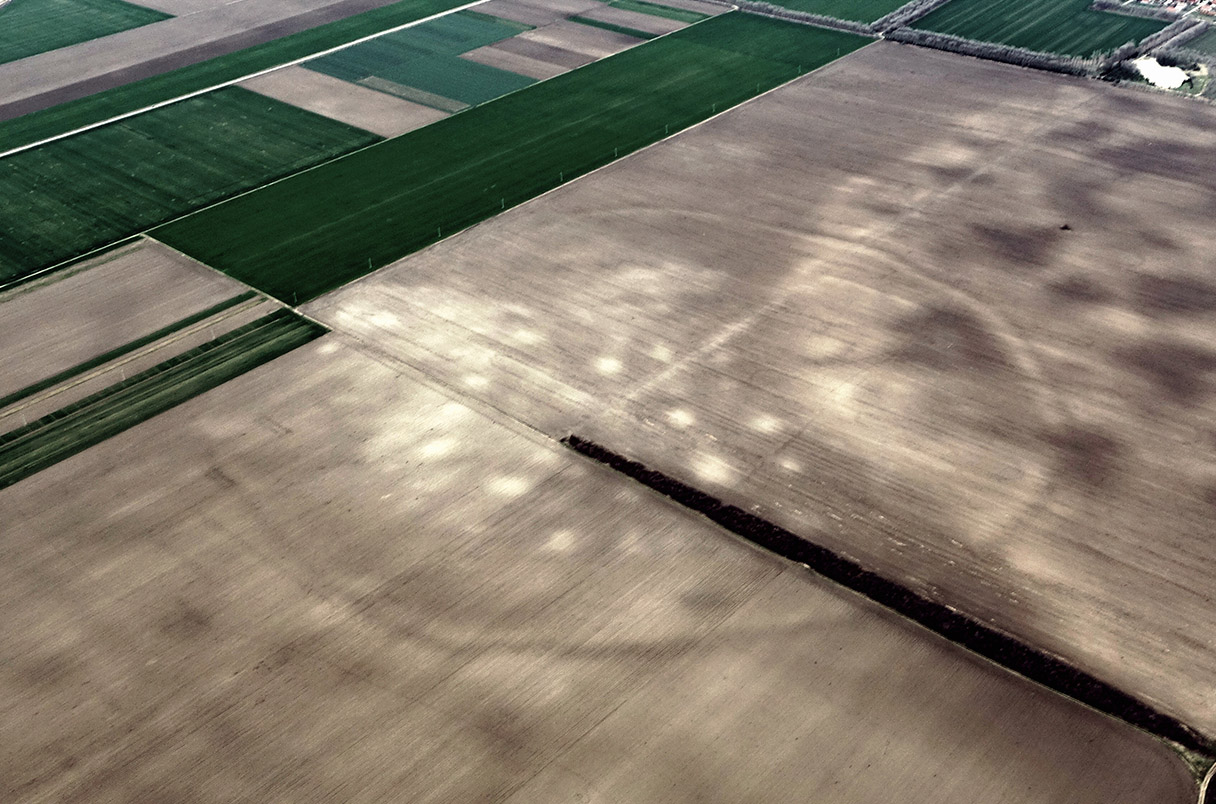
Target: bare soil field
[[537, 12], [648, 23], [593, 42], [58, 76], [349, 103], [540, 51], [494, 56], [51, 325], [946, 317], [329, 580]]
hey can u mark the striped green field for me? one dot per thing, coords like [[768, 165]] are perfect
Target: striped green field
[[1051, 26], [856, 10], [426, 57], [1205, 43], [657, 10], [29, 27], [74, 428], [311, 233], [94, 109], [72, 195]]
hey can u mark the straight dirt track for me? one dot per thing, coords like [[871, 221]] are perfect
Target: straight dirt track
[[945, 317]]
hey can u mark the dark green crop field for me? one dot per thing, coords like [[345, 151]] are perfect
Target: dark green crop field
[[313, 232], [610, 26], [141, 94], [426, 57], [857, 10], [1205, 43], [81, 192], [29, 27], [1049, 26], [70, 430]]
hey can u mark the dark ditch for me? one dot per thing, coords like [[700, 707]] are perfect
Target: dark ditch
[[999, 647]]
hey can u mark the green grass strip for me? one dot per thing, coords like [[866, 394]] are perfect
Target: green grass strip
[[321, 228], [57, 120], [656, 10], [608, 26], [126, 348], [82, 424]]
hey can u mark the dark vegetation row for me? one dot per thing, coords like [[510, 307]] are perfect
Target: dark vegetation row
[[91, 420], [1005, 650]]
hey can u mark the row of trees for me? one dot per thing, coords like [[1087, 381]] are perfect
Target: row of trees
[[1149, 12], [1053, 62], [906, 14], [820, 20]]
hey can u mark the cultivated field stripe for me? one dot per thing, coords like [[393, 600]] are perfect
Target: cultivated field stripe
[[126, 348], [82, 424], [657, 10], [29, 27], [609, 26], [997, 646], [39, 128], [302, 236]]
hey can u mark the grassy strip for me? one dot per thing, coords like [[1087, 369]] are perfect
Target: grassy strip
[[656, 10], [1067, 27], [126, 348], [82, 424], [608, 26], [157, 89], [315, 231], [78, 193], [990, 643], [29, 27]]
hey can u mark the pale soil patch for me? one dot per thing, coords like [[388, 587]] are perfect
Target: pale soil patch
[[594, 42], [851, 306], [493, 56], [710, 9], [648, 23], [180, 8], [98, 305], [537, 12], [542, 52], [349, 103], [327, 581]]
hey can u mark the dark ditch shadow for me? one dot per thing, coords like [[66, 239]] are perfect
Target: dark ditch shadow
[[1180, 371], [1181, 295], [948, 339], [997, 646], [1080, 290]]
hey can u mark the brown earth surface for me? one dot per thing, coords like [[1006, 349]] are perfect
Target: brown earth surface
[[329, 580], [97, 305], [537, 12], [648, 23], [377, 112], [947, 317], [494, 56], [585, 39]]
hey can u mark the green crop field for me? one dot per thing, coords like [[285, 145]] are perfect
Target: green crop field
[[313, 232], [1049, 26], [656, 10], [29, 27], [1205, 43], [426, 57], [81, 192], [52, 122], [108, 412], [857, 10]]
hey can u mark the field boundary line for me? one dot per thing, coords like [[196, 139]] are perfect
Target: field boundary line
[[167, 340], [235, 81], [994, 644]]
